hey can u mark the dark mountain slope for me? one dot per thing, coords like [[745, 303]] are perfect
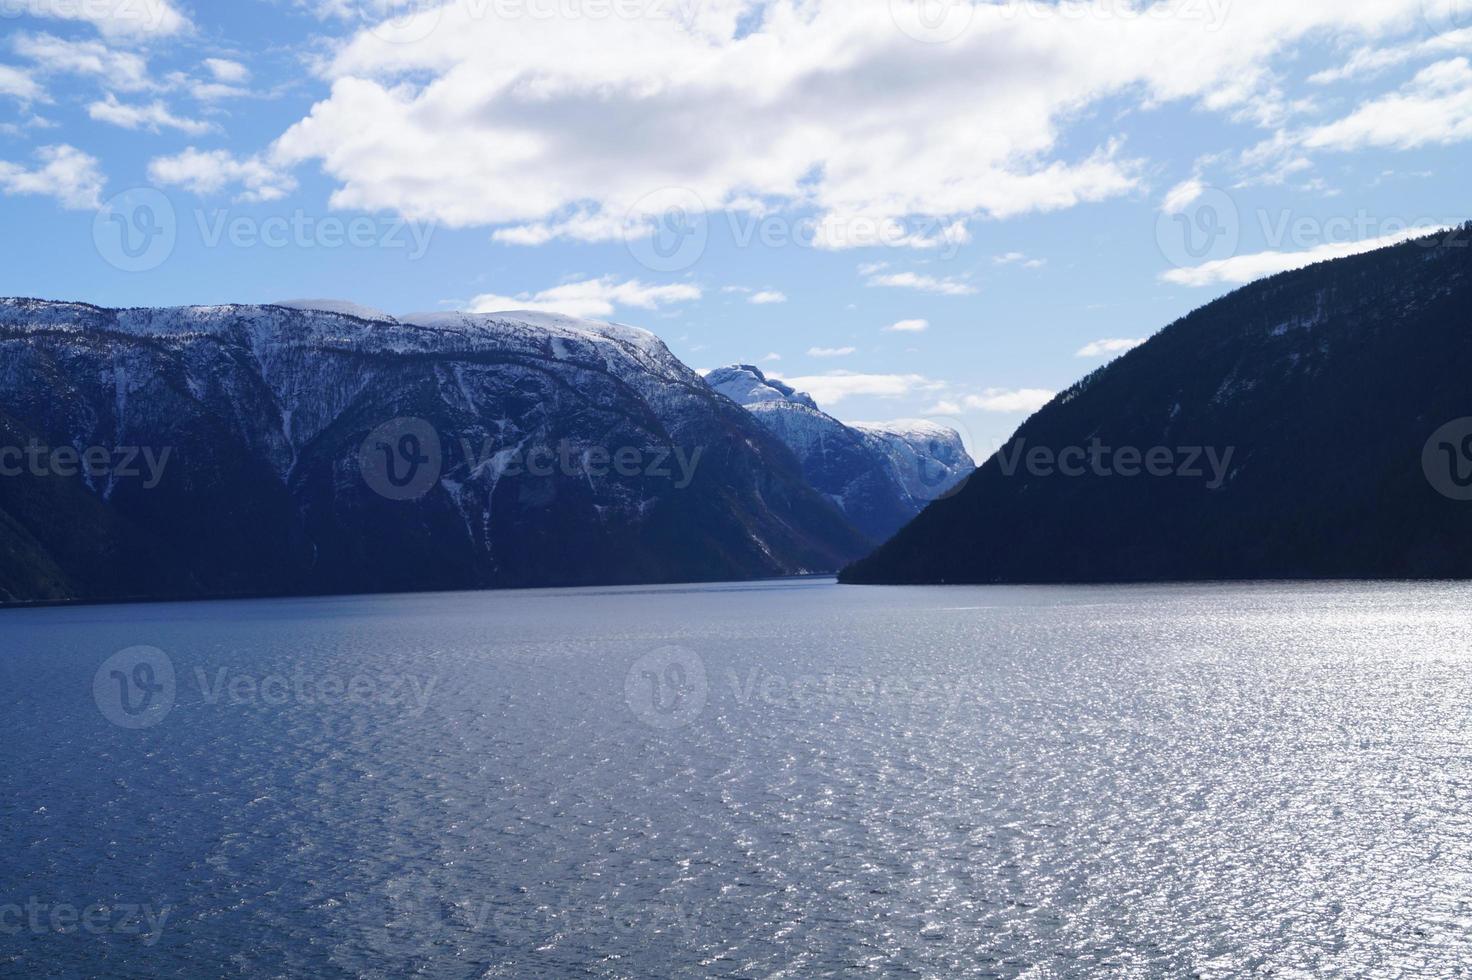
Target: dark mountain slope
[[1317, 391], [273, 485]]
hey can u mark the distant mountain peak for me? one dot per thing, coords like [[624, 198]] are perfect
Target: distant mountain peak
[[345, 307], [748, 385], [881, 474]]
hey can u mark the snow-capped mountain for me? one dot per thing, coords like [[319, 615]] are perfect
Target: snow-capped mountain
[[880, 474], [927, 458], [311, 450]]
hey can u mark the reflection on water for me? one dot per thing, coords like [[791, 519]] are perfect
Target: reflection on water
[[780, 779]]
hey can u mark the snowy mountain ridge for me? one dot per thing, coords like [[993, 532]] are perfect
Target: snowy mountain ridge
[[270, 414], [880, 474]]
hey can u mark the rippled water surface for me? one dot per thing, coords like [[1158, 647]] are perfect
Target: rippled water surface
[[788, 779]]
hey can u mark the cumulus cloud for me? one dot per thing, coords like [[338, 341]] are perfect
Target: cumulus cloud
[[831, 351], [208, 172], [767, 296], [66, 173], [1182, 196], [576, 121], [946, 286], [227, 71], [835, 386], [129, 19], [1434, 107], [1241, 269], [125, 71], [589, 298], [1007, 401], [908, 326], [1101, 348], [154, 116], [1372, 61], [19, 85]]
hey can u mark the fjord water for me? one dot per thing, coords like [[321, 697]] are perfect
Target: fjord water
[[774, 779]]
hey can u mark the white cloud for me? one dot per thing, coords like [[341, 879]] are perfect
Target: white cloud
[[1245, 268], [589, 298], [566, 131], [19, 85], [66, 173], [1182, 196], [1372, 61], [948, 286], [1009, 401], [831, 351], [125, 71], [154, 116], [834, 387], [227, 71], [908, 326], [1100, 348], [1019, 258], [207, 172], [767, 296], [1434, 107], [772, 358], [119, 18]]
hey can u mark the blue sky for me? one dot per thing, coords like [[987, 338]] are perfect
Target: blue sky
[[937, 210]]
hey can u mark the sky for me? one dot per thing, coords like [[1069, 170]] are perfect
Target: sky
[[930, 209]]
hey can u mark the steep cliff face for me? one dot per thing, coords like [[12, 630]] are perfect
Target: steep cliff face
[[1315, 424], [284, 450], [880, 474]]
